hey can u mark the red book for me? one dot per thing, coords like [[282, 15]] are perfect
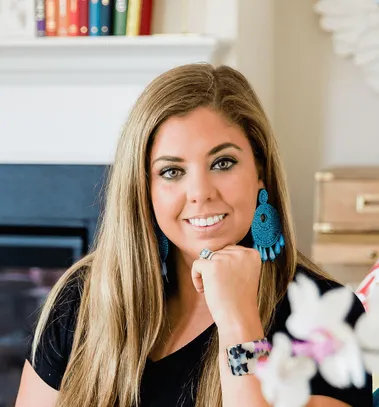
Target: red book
[[73, 18], [146, 17], [52, 14], [83, 17]]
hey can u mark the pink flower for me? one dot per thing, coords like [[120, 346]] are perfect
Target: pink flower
[[319, 319], [284, 378]]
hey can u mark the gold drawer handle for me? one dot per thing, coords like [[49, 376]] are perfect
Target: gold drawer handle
[[367, 203], [373, 254]]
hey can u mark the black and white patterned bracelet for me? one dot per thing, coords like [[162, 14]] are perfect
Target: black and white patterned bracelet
[[242, 358]]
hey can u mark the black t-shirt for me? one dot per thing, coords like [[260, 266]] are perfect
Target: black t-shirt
[[172, 380]]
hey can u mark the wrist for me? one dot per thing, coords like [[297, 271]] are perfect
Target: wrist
[[240, 331]]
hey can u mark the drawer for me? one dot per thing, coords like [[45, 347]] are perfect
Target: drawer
[[345, 254], [346, 249], [346, 204]]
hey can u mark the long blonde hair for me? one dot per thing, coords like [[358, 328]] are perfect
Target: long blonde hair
[[122, 308]]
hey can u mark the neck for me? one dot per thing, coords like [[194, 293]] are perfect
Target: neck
[[186, 296]]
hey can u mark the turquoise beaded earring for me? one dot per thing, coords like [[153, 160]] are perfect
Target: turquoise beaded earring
[[266, 229]]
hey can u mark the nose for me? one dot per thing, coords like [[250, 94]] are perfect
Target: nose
[[201, 188]]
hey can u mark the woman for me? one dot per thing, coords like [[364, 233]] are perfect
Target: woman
[[142, 319]]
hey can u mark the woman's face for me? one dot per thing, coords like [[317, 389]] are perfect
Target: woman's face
[[201, 167]]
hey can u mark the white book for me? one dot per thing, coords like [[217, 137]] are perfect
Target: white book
[[17, 19]]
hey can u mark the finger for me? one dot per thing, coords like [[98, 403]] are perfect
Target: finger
[[197, 278], [235, 248]]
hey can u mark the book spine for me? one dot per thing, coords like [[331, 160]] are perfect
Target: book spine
[[83, 17], [63, 18], [105, 17], [133, 17], [146, 17], [94, 17], [73, 18], [40, 18], [51, 8], [119, 17]]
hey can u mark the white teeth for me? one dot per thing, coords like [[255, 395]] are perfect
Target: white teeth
[[210, 221], [206, 222]]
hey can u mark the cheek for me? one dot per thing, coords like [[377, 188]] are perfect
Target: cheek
[[166, 199], [241, 191]]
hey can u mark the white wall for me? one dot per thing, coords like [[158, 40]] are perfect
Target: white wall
[[255, 48], [325, 114], [247, 25]]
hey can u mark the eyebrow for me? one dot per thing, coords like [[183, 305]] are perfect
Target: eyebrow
[[213, 151]]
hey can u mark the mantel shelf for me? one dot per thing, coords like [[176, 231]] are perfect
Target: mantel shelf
[[159, 40], [135, 58]]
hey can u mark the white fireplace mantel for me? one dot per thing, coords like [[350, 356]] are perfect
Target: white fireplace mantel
[[63, 100], [130, 58]]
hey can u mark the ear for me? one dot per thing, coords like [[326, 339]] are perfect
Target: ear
[[261, 184]]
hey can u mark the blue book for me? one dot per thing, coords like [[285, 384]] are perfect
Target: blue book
[[94, 17], [105, 17]]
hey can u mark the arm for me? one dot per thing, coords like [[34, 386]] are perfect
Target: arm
[[245, 391], [33, 391], [241, 391]]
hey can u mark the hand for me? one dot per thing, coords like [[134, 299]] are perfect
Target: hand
[[229, 282]]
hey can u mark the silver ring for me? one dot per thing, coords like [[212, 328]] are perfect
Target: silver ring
[[206, 254], [211, 255]]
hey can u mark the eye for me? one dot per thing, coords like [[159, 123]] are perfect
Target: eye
[[170, 173], [225, 163]]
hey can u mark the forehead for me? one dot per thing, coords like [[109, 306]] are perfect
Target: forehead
[[199, 130]]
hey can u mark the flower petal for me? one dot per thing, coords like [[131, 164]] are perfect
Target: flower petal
[[345, 367], [285, 379], [304, 299], [367, 332], [335, 305], [295, 395], [304, 288]]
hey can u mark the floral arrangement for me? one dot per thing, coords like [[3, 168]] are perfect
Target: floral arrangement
[[325, 343]]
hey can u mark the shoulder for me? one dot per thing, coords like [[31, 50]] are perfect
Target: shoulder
[[54, 348], [324, 285], [64, 312]]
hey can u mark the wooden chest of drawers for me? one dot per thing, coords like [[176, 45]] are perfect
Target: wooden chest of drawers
[[346, 222]]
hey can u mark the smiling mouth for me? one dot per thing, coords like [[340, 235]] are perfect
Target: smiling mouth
[[207, 227]]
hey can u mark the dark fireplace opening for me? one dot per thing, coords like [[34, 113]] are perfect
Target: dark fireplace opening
[[48, 219], [32, 259], [23, 246]]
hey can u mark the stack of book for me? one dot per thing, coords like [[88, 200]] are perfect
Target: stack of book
[[93, 17]]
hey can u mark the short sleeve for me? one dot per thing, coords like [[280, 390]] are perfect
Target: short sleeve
[[54, 348], [352, 396]]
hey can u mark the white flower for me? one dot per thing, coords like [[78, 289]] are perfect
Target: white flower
[[367, 331], [285, 379], [320, 319]]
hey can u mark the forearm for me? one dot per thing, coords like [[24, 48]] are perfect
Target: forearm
[[241, 391]]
